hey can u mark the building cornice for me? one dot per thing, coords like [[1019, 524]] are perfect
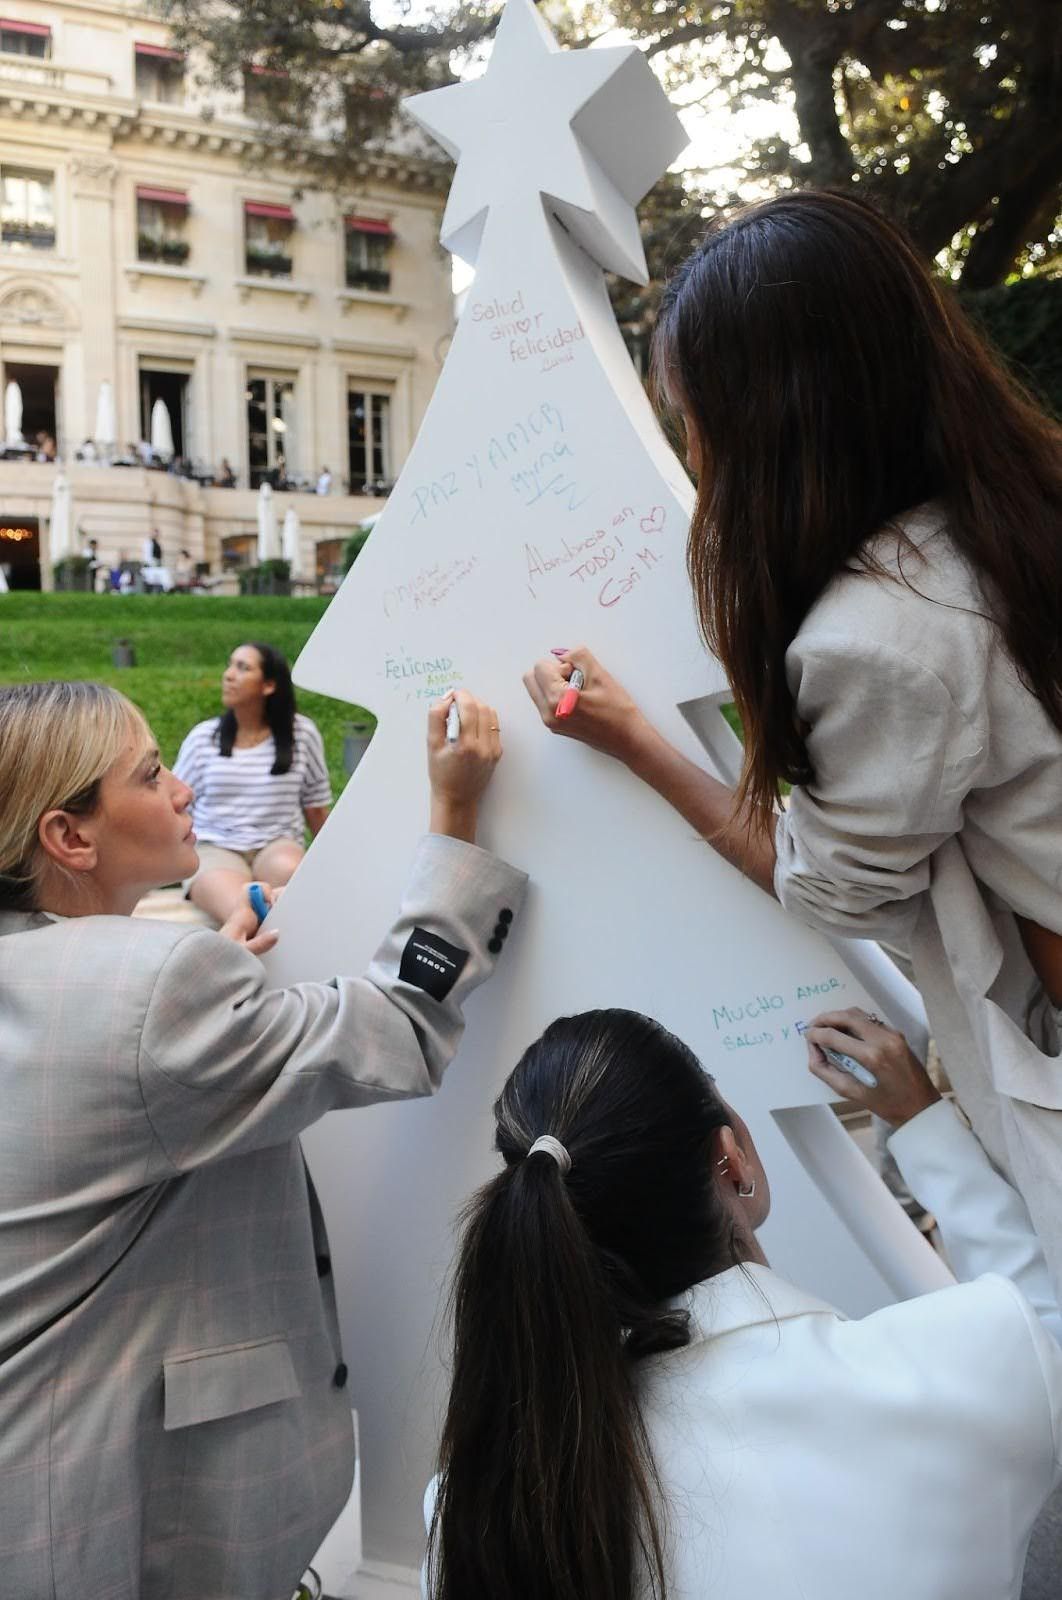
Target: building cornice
[[45, 97]]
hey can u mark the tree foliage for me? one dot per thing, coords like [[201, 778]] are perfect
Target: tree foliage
[[946, 112], [331, 75]]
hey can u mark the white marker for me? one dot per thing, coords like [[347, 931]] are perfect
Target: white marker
[[453, 723]]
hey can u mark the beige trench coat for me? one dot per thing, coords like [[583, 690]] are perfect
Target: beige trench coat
[[934, 817]]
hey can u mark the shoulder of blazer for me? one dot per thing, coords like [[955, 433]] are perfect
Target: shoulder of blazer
[[65, 947]]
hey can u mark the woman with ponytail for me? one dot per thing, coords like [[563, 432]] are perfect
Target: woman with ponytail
[[875, 554], [641, 1410]]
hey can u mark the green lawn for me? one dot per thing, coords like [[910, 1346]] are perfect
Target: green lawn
[[182, 643]]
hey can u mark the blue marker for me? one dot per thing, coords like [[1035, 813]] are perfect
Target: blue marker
[[259, 903], [847, 1063]]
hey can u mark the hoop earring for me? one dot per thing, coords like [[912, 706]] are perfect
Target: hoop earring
[[747, 1194]]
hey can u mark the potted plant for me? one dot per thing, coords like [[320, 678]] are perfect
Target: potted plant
[[73, 574], [175, 251], [269, 577]]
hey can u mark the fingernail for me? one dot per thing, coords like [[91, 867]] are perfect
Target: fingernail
[[561, 652]]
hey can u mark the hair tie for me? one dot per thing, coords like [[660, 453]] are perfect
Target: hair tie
[[550, 1146]]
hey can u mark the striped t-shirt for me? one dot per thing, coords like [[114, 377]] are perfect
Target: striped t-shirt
[[239, 803]]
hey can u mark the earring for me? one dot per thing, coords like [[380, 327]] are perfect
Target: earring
[[724, 1165], [747, 1194]]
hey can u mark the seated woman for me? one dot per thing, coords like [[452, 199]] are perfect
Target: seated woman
[[641, 1407], [258, 772]]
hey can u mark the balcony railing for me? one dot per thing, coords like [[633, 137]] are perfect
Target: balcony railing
[[38, 235], [377, 279], [53, 74]]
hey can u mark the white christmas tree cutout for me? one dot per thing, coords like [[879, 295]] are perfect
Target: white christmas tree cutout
[[540, 506]]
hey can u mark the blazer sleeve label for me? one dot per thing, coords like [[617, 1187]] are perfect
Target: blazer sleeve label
[[430, 963]]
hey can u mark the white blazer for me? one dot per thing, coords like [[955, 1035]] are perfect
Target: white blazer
[[803, 1456], [901, 1457]]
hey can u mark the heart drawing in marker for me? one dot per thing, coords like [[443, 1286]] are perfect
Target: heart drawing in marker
[[523, 324], [654, 521]]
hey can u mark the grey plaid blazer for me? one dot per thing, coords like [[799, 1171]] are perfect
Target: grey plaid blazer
[[173, 1418]]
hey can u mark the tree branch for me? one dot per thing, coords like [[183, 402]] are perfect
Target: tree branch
[[814, 44]]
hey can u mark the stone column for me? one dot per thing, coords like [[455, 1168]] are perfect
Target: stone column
[[92, 187]]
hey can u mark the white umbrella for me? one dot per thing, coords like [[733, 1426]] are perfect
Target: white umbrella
[[60, 526], [3, 581], [161, 429], [106, 428], [290, 543], [13, 414], [287, 433], [268, 547]]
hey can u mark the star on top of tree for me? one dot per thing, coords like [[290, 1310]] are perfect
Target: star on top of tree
[[588, 130]]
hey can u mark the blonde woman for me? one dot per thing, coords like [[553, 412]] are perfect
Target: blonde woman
[[174, 1418]]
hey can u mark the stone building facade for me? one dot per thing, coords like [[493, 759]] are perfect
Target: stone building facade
[[147, 245]]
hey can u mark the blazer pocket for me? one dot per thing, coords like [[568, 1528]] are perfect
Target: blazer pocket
[[227, 1380]]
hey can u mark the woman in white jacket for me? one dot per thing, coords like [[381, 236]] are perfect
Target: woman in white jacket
[[876, 559], [641, 1407]]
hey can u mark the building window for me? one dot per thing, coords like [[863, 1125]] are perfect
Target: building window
[[260, 88], [161, 225], [328, 562], [239, 550], [368, 253], [37, 385], [25, 39], [270, 429], [369, 441], [159, 74], [27, 209], [268, 232], [172, 388]]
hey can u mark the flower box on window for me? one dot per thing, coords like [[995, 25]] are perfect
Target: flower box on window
[[268, 263], [174, 252]]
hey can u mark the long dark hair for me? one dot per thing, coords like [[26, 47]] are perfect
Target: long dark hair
[[547, 1487], [279, 709], [832, 384]]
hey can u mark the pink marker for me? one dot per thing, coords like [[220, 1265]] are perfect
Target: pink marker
[[570, 698]]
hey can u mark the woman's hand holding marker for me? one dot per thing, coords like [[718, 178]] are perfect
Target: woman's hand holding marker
[[570, 698], [902, 1085], [575, 696], [244, 923], [464, 747]]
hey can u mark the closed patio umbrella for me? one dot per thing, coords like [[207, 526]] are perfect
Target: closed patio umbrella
[[61, 523], [161, 430], [290, 544], [106, 428], [268, 544], [13, 414]]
